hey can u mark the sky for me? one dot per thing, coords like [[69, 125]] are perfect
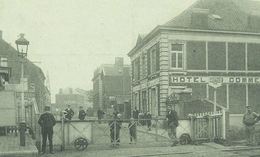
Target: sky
[[69, 39]]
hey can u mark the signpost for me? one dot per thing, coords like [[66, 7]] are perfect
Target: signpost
[[215, 82]]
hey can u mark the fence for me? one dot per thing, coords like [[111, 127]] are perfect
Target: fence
[[110, 132], [209, 125]]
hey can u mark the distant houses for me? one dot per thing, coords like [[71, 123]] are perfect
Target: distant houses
[[111, 86]]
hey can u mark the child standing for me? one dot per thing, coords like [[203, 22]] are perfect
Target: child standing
[[132, 130]]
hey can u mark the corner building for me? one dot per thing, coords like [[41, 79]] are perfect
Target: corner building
[[211, 42]]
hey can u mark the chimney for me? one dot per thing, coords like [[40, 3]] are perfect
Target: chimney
[[199, 18], [253, 20], [119, 61]]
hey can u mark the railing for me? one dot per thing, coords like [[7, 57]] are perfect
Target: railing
[[108, 132], [209, 125], [9, 130]]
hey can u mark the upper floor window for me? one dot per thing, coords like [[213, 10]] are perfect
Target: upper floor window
[[143, 65], [136, 69], [3, 62], [153, 56], [176, 56]]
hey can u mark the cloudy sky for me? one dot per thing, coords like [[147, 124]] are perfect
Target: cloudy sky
[[71, 38]]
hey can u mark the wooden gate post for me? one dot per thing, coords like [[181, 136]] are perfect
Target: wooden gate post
[[225, 123], [92, 132], [62, 134], [192, 127]]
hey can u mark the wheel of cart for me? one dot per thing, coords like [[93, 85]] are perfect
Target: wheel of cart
[[185, 139], [81, 143]]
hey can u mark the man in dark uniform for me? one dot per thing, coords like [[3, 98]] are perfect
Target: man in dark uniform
[[82, 113], [47, 121], [249, 120], [69, 113], [173, 123]]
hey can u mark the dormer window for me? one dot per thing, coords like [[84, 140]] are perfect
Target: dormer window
[[254, 20], [215, 17], [199, 18]]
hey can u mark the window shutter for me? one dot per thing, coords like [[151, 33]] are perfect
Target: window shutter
[[148, 62], [138, 68], [157, 57], [133, 70]]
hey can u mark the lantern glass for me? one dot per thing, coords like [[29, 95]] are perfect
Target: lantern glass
[[22, 50], [22, 45]]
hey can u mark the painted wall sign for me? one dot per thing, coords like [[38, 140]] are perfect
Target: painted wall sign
[[215, 79]]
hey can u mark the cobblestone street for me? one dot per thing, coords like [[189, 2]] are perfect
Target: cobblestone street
[[183, 151]]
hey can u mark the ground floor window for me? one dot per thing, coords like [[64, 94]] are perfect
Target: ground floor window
[[253, 97], [237, 98]]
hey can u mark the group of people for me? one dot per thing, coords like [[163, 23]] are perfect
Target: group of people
[[69, 113], [143, 118], [115, 126], [47, 122]]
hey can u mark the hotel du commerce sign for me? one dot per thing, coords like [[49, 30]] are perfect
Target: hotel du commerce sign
[[215, 81]]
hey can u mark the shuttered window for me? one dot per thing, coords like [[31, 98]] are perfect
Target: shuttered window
[[153, 59]]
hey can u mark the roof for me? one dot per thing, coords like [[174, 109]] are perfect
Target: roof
[[227, 15], [111, 70], [223, 15]]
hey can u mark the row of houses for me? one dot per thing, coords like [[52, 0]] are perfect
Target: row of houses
[[210, 52], [10, 74]]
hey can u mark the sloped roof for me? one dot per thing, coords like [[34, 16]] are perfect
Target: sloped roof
[[233, 15], [111, 70], [140, 39], [223, 15]]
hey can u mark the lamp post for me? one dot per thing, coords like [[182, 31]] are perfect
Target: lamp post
[[22, 48]]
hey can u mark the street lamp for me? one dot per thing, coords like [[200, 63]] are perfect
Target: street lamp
[[22, 48]]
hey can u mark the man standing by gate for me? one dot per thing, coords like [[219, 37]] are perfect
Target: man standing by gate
[[249, 120], [47, 121], [173, 123]]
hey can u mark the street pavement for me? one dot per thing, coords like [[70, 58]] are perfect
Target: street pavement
[[10, 146], [183, 151]]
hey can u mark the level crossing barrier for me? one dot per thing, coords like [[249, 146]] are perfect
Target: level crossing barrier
[[114, 132]]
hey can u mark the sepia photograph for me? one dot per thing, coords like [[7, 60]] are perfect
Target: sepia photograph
[[129, 78]]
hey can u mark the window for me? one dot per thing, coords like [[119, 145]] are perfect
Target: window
[[153, 59], [143, 66], [196, 55], [236, 56], [136, 69], [253, 55], [237, 98], [176, 56], [3, 62], [217, 56]]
